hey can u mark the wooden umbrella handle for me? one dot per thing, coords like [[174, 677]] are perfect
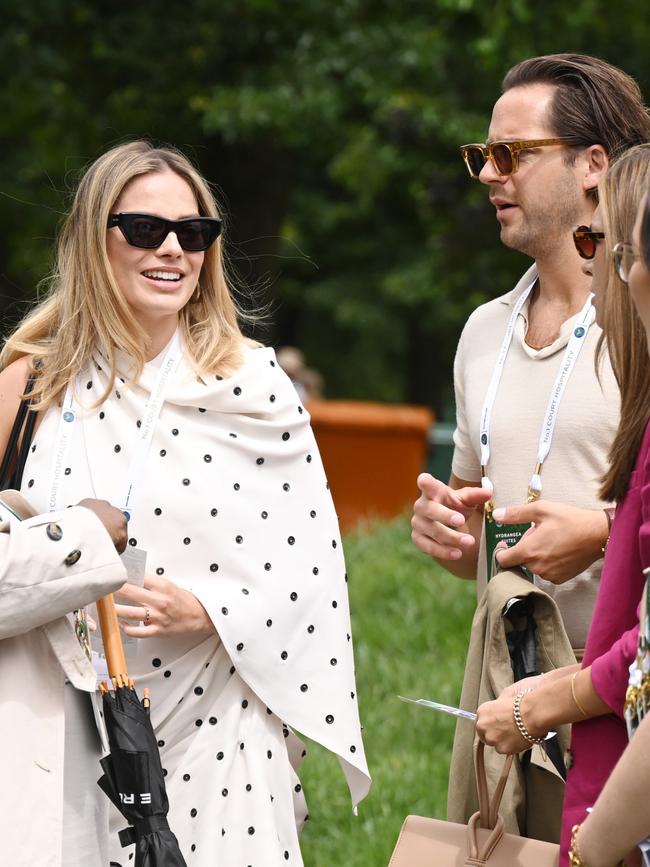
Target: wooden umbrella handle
[[112, 639]]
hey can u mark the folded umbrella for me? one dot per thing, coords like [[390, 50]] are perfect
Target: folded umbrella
[[133, 776]]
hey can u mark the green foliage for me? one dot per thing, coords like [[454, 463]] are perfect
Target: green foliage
[[411, 624], [333, 131]]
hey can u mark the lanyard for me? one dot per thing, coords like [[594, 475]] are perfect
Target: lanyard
[[153, 408], [575, 344]]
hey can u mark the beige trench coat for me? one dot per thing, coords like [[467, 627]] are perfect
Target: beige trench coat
[[38, 650], [532, 801]]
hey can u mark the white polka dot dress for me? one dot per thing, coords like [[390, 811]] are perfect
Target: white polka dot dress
[[233, 505]]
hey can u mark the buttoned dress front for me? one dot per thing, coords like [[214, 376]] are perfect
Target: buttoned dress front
[[232, 505]]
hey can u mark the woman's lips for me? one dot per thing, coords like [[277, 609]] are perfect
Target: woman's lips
[[167, 283]]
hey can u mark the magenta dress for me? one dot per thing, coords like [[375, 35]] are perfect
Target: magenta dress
[[597, 743]]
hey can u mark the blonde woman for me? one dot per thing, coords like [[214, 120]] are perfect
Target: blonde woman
[[152, 398], [592, 695]]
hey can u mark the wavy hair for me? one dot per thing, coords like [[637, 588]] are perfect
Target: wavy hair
[[84, 308], [621, 191], [594, 102]]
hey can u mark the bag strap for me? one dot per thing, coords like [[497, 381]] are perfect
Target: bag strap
[[489, 808], [23, 423]]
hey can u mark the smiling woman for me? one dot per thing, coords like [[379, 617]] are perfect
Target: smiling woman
[[242, 629], [156, 280]]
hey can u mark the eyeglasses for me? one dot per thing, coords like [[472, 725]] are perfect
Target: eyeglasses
[[624, 257], [504, 154], [586, 241], [195, 234]]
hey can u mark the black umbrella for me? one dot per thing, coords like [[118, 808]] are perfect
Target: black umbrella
[[133, 775]]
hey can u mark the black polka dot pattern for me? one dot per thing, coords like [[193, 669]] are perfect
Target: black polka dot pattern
[[233, 506]]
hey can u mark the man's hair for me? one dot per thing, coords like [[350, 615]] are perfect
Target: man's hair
[[594, 103]]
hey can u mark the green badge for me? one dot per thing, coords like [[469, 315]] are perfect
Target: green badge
[[508, 533]]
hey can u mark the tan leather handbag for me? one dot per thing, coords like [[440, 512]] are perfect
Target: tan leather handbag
[[435, 843]]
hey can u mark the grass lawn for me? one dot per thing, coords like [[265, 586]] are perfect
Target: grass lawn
[[411, 624]]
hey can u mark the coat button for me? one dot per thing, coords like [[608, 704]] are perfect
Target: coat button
[[72, 557], [54, 532]]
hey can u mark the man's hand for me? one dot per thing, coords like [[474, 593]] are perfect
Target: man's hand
[[112, 519], [563, 543], [439, 522]]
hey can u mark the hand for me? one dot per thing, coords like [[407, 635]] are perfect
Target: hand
[[439, 522], [171, 610], [563, 543], [525, 683], [112, 519], [495, 725]]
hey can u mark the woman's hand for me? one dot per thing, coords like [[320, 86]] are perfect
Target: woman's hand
[[516, 687], [495, 725], [164, 609]]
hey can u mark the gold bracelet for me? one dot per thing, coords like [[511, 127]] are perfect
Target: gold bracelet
[[575, 697], [609, 514], [519, 722], [575, 858]]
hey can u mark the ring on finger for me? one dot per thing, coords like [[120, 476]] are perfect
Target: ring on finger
[[147, 618]]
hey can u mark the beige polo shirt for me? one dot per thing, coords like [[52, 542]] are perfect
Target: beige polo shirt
[[586, 424]]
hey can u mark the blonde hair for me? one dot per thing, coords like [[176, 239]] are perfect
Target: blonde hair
[[85, 309], [620, 193]]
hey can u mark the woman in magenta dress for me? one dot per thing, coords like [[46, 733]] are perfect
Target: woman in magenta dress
[[621, 816], [591, 694]]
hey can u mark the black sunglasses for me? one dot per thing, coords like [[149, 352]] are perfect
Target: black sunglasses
[[586, 241], [195, 234]]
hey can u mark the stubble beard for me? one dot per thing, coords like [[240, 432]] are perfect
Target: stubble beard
[[544, 224]]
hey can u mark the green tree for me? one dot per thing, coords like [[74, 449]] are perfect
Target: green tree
[[332, 131]]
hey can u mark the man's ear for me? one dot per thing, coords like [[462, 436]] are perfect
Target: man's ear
[[596, 162]]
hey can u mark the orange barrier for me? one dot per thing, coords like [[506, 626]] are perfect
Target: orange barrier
[[372, 454]]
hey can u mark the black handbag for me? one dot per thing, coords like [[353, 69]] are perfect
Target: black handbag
[[15, 456]]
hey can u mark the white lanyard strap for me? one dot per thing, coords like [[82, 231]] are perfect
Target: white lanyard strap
[[493, 388], [575, 344], [62, 450], [149, 420]]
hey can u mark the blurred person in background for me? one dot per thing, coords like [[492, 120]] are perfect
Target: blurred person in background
[[151, 395], [307, 382], [559, 122]]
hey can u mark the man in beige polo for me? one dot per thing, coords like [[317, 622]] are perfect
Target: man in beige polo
[[532, 419], [545, 192]]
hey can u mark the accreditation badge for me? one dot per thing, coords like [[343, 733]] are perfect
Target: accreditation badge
[[508, 533]]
